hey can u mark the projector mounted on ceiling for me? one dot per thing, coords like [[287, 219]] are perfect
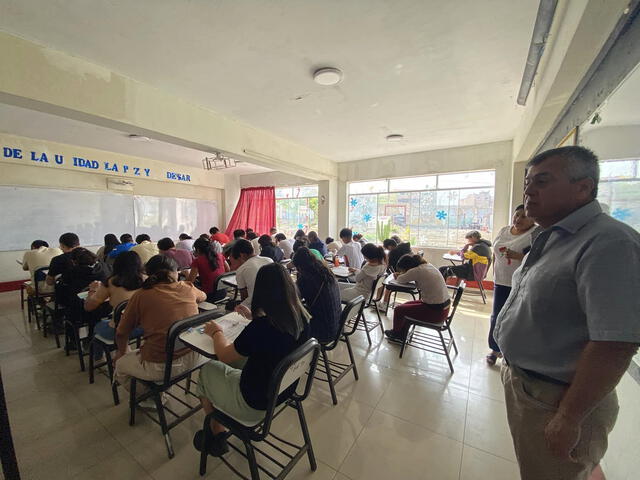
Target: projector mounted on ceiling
[[218, 161]]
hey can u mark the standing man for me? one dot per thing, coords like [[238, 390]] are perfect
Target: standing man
[[571, 324]]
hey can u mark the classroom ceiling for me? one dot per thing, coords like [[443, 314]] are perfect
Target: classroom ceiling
[[44, 126], [442, 74]]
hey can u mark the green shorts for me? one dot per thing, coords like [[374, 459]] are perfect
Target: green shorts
[[220, 383]]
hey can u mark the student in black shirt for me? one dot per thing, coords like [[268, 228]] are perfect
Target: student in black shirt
[[268, 249], [85, 268], [316, 243], [395, 251], [318, 288], [60, 264], [279, 326]]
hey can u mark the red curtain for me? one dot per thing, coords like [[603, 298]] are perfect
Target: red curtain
[[256, 209]]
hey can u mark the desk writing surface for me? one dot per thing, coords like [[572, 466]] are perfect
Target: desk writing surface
[[453, 258], [231, 280], [341, 272], [390, 280], [232, 325]]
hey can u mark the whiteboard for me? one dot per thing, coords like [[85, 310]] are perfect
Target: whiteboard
[[169, 217], [30, 214]]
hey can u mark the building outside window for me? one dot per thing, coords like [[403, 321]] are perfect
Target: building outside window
[[296, 208], [429, 211], [619, 190]]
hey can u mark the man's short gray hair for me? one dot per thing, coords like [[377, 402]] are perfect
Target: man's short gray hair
[[473, 234], [581, 163]]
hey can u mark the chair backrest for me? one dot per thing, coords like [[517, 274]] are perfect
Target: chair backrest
[[218, 284], [39, 275], [375, 287], [173, 337], [118, 311], [292, 368], [349, 312], [459, 290]]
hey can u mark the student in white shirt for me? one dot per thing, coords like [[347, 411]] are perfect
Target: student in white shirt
[[366, 276], [284, 244], [39, 256], [185, 243], [253, 238], [246, 263], [145, 248], [332, 245], [433, 305], [350, 250]]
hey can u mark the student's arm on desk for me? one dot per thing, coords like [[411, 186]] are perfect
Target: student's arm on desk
[[193, 273], [128, 322], [225, 350], [98, 294]]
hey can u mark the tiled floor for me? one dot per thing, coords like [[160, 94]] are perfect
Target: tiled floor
[[405, 418]]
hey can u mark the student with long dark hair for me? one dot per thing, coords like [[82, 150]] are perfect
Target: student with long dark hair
[[126, 279], [110, 242], [208, 265], [319, 290], [162, 301], [268, 249], [376, 264], [433, 305], [279, 326]]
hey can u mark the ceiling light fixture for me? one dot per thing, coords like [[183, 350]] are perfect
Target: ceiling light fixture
[[138, 138], [327, 76], [218, 161], [395, 137]]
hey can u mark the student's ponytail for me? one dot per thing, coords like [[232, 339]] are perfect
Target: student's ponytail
[[374, 252], [159, 269], [204, 247]]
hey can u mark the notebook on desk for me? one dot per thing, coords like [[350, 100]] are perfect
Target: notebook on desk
[[232, 325]]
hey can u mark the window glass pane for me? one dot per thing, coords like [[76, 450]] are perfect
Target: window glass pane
[[305, 191], [363, 215], [623, 201], [284, 192], [374, 186], [466, 180], [415, 183], [297, 213], [619, 169]]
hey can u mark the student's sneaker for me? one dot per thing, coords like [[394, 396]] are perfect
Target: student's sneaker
[[218, 445], [393, 336], [150, 404]]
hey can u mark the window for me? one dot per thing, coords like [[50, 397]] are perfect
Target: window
[[619, 190], [296, 208], [434, 210]]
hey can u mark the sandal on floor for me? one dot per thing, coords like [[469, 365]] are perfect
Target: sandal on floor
[[217, 444]]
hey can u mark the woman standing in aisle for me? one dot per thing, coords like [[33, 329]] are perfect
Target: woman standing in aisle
[[509, 247]]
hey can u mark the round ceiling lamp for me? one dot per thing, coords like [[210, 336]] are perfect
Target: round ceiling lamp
[[327, 76], [395, 137]]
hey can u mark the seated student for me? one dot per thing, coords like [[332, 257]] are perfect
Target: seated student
[[433, 305], [208, 265], [332, 245], [303, 242], [397, 239], [237, 234], [396, 250], [85, 268], [110, 242], [299, 233], [350, 250], [279, 326], [272, 233], [244, 260], [39, 256], [478, 253], [183, 258], [283, 244], [60, 264], [218, 236], [126, 244], [125, 280], [319, 290], [185, 243], [161, 302], [254, 239], [145, 248], [366, 276], [316, 243], [358, 237], [268, 249]]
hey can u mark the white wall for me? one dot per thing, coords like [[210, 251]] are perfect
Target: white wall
[[13, 172], [613, 142]]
